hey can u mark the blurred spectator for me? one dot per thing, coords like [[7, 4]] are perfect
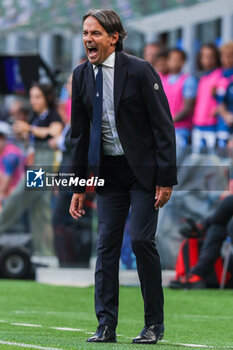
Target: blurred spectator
[[204, 119], [150, 52], [223, 125], [230, 152], [58, 142], [68, 102], [161, 65], [226, 108], [19, 110], [44, 123], [180, 89], [11, 163], [215, 228], [21, 113], [64, 105], [15, 106]]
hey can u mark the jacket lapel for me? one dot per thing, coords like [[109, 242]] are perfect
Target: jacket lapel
[[90, 84], [119, 77]]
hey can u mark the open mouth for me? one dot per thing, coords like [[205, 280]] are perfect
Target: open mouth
[[92, 52]]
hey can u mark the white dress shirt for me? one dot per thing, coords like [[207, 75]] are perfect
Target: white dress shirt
[[110, 139]]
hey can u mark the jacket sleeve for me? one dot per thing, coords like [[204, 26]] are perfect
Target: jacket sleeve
[[79, 136], [160, 118]]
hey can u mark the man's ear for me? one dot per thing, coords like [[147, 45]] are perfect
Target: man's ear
[[115, 37]]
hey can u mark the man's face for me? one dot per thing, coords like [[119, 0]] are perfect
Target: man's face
[[150, 51], [208, 58], [14, 109], [97, 42], [37, 100], [227, 58], [175, 62], [161, 65]]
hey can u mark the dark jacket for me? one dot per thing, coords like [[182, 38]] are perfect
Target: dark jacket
[[143, 121]]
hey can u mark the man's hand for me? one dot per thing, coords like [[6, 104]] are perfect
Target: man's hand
[[76, 205], [162, 196]]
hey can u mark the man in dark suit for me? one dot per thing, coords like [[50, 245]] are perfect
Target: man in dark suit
[[121, 123]]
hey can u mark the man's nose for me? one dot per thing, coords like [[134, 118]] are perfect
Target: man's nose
[[88, 38]]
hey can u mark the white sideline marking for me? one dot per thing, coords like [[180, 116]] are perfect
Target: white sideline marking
[[68, 329], [32, 346], [82, 330], [26, 324], [196, 345], [189, 345]]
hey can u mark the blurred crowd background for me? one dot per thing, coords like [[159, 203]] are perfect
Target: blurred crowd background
[[188, 42]]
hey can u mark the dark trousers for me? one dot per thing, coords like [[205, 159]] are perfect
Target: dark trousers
[[121, 191], [220, 224]]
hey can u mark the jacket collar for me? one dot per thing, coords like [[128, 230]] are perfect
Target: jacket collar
[[119, 77]]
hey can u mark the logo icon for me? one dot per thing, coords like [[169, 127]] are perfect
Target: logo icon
[[35, 178]]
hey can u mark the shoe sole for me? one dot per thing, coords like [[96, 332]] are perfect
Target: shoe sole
[[151, 342], [161, 336], [145, 342]]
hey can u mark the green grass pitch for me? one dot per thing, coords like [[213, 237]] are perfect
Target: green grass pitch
[[203, 318]]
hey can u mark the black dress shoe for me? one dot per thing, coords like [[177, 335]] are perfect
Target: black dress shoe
[[150, 334], [103, 334]]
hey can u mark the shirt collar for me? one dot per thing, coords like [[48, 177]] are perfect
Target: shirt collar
[[176, 76], [172, 78], [207, 72], [109, 62], [43, 115]]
